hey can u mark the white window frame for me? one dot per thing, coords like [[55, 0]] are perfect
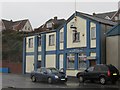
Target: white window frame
[[82, 59], [51, 40], [30, 42], [49, 25], [39, 40], [93, 33], [75, 37], [68, 57], [61, 37]]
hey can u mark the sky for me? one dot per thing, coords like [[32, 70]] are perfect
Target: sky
[[39, 12]]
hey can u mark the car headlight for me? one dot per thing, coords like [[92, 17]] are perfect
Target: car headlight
[[56, 76], [66, 76]]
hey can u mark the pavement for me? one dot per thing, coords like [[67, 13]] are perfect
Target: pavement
[[24, 81]]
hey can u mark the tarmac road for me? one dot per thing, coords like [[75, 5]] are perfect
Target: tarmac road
[[24, 81]]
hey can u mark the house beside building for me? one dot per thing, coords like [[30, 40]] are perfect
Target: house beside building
[[21, 25], [51, 24], [76, 44], [113, 16], [113, 46]]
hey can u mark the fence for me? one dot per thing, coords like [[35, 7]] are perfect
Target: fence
[[13, 67]]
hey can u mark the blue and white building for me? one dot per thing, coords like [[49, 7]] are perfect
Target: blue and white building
[[77, 44]]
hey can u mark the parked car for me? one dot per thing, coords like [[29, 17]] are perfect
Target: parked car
[[48, 74], [101, 72]]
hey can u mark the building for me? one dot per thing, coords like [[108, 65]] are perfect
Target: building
[[113, 46], [51, 24], [75, 45], [21, 25]]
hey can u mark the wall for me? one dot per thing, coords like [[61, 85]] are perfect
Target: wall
[[112, 51], [104, 29], [81, 27], [28, 25]]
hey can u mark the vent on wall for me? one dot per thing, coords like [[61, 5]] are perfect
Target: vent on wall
[[73, 26]]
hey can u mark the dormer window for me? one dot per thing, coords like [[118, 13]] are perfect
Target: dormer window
[[49, 25], [39, 40], [107, 17]]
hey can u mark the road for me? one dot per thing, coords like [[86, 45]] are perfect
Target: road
[[23, 81]]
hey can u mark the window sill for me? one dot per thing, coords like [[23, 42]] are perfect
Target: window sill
[[70, 69], [76, 41], [52, 45]]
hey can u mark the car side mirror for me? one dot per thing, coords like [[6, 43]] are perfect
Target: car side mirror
[[61, 70]]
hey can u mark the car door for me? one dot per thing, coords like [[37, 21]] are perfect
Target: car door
[[89, 73], [44, 74], [39, 74]]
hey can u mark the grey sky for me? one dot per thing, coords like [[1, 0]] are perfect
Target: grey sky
[[40, 12]]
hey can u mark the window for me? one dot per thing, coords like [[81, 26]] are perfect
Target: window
[[30, 45], [70, 61], [93, 33], [39, 40], [29, 28], [25, 27], [116, 18], [49, 25], [61, 37], [81, 61], [76, 36], [51, 40], [90, 69]]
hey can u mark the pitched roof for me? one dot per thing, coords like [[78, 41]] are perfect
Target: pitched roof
[[57, 23], [7, 24], [114, 31], [103, 15], [100, 20], [18, 25]]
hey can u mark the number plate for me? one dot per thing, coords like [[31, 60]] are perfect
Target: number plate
[[62, 79], [114, 73]]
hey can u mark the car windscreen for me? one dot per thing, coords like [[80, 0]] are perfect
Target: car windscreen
[[52, 70]]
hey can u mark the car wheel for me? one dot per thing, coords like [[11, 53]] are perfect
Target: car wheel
[[49, 80], [102, 80], [81, 79], [92, 81], [113, 82], [33, 79]]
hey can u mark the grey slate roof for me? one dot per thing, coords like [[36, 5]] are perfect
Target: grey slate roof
[[103, 15], [100, 20], [114, 31]]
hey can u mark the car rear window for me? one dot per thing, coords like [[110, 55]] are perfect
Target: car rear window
[[101, 68], [112, 68]]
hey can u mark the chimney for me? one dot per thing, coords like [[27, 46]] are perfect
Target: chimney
[[11, 20], [94, 14], [55, 18]]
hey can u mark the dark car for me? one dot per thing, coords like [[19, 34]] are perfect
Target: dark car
[[101, 72], [48, 74]]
